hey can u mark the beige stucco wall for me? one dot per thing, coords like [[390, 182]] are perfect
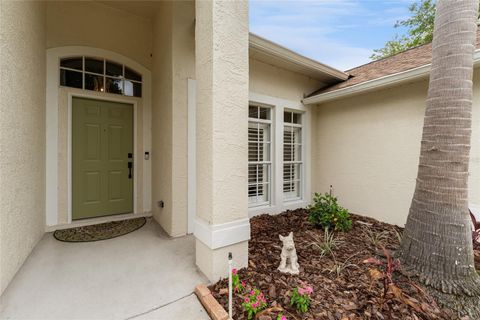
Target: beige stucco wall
[[22, 133], [474, 177], [162, 117], [222, 116], [221, 68], [278, 82], [183, 68], [367, 146], [93, 24], [173, 64]]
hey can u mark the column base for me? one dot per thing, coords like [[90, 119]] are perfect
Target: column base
[[214, 262]]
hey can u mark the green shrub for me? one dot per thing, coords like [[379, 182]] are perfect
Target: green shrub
[[325, 212]]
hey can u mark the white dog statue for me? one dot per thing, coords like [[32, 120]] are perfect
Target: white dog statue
[[289, 260]]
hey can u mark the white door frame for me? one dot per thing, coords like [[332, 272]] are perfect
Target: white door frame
[[70, 145], [52, 125]]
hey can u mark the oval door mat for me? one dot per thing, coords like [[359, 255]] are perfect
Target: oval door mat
[[102, 231]]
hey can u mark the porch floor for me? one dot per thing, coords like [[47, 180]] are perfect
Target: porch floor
[[142, 275]]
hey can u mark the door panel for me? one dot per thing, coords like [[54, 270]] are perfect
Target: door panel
[[115, 142], [115, 186], [91, 187], [93, 143], [102, 138]]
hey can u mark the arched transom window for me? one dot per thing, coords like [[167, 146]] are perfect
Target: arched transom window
[[99, 74]]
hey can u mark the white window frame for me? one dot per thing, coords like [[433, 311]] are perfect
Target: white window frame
[[103, 75], [268, 122], [300, 162], [279, 105]]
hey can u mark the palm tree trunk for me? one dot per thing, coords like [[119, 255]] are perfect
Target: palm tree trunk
[[437, 244]]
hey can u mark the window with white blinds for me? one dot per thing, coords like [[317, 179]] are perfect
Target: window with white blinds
[[259, 155], [292, 155]]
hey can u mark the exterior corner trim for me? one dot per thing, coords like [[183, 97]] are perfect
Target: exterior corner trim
[[221, 235]]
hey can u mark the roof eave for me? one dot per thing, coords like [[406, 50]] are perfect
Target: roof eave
[[375, 84], [273, 49]]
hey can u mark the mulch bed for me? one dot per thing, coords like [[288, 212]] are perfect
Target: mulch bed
[[346, 294]]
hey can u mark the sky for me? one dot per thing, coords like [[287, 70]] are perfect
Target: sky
[[339, 33]]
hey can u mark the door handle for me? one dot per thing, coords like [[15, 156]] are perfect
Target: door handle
[[130, 165], [130, 170]]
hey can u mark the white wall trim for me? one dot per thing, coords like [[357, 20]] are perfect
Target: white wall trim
[[275, 50], [51, 140], [192, 158], [52, 125], [222, 235], [375, 84], [277, 203]]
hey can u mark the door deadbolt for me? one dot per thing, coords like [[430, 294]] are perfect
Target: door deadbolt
[[130, 164]]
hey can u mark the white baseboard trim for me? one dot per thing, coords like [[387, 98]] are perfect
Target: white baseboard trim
[[222, 235], [92, 221]]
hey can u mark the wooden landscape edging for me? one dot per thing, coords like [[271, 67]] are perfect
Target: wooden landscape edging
[[214, 309]]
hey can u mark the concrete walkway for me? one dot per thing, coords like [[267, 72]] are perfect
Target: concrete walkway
[[142, 275]]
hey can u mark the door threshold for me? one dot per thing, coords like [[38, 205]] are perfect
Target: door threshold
[[93, 221]]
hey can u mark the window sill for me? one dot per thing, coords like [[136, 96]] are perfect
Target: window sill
[[262, 205], [293, 202]]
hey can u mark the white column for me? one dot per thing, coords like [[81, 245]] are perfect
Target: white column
[[221, 63]]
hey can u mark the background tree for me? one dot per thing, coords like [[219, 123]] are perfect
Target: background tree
[[437, 243], [419, 30]]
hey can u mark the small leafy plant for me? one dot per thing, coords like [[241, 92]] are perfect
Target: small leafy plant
[[340, 267], [327, 213], [385, 270], [327, 244], [476, 229], [238, 286], [280, 316], [398, 235], [375, 238], [301, 297], [254, 303]]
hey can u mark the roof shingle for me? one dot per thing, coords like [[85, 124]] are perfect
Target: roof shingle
[[409, 59]]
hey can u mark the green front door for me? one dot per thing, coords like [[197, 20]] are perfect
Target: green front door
[[102, 158]]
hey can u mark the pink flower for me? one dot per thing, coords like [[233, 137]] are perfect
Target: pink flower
[[244, 284], [255, 305], [305, 290], [283, 318], [252, 293], [234, 271], [247, 300]]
